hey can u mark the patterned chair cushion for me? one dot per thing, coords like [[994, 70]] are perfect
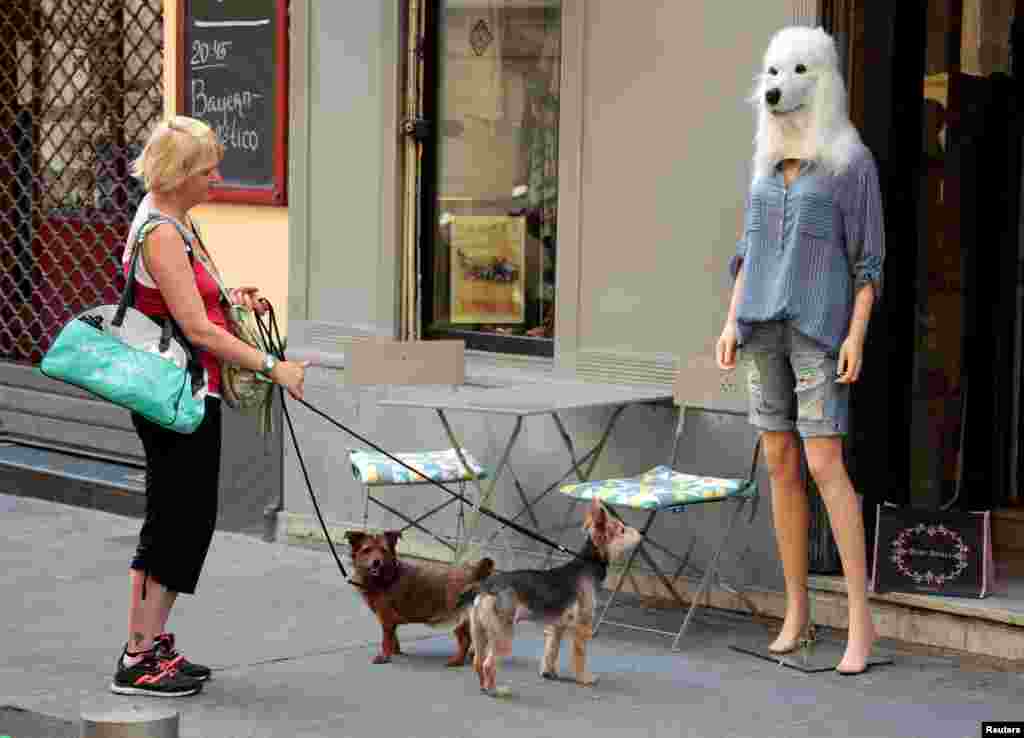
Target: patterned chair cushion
[[661, 488], [372, 468]]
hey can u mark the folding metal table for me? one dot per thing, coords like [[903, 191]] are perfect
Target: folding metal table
[[521, 400]]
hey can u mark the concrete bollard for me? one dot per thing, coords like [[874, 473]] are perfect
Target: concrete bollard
[[130, 722]]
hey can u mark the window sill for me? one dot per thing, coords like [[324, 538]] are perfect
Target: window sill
[[498, 343], [483, 368]]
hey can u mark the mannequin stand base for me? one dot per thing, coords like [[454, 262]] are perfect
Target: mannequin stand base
[[813, 657]]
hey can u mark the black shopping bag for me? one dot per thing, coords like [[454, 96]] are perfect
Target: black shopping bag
[[933, 552]]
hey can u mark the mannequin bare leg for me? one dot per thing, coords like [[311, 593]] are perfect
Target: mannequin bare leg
[[791, 516], [825, 459]]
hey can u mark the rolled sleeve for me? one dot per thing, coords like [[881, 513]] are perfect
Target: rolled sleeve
[[736, 262], [864, 224]]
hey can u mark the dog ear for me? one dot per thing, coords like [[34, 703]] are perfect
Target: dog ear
[[597, 516], [392, 536], [355, 539]]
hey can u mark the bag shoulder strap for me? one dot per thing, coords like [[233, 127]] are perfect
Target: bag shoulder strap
[[151, 222], [169, 327], [156, 219]]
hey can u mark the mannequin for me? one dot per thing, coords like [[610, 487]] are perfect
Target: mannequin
[[807, 270]]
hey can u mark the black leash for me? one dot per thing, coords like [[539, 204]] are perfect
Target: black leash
[[272, 339]]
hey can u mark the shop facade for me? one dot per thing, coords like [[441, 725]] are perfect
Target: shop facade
[[559, 183]]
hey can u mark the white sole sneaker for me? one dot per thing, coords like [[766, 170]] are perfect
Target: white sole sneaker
[[131, 690]]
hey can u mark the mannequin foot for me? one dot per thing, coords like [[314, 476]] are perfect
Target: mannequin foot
[[792, 632], [858, 646]]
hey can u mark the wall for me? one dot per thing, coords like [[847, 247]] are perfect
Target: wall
[[664, 139], [249, 242], [344, 237]]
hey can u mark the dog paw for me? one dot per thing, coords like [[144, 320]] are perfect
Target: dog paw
[[381, 659], [586, 680]]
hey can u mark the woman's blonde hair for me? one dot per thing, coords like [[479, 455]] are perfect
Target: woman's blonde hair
[[177, 148]]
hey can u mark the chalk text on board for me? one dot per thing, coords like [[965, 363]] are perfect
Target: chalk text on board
[[233, 108], [240, 102], [209, 53], [233, 137]]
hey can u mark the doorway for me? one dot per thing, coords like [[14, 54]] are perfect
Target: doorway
[[935, 91]]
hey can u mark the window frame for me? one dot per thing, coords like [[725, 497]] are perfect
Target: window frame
[[426, 202]]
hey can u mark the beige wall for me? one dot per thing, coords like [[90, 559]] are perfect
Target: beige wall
[[654, 176], [249, 242]]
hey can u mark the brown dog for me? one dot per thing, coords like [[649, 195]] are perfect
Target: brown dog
[[399, 592]]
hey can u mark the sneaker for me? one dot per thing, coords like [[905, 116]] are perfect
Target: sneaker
[[153, 677], [163, 645]]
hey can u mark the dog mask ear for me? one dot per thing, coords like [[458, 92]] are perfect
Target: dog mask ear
[[392, 537], [355, 539]]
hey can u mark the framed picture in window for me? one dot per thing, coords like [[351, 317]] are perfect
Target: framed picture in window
[[488, 269]]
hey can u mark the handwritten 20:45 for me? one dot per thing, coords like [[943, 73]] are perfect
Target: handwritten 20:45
[[203, 52]]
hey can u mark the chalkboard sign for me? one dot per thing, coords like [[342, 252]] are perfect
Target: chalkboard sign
[[233, 74]]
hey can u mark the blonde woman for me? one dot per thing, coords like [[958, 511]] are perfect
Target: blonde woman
[[175, 276]]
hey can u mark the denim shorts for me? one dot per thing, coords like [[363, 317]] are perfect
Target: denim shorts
[[792, 382]]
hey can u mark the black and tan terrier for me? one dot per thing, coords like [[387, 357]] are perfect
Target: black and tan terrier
[[562, 598], [400, 592]]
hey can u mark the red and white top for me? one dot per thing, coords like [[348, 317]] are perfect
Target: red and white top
[[150, 301]]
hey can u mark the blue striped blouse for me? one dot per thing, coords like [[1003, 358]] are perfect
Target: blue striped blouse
[[807, 249]]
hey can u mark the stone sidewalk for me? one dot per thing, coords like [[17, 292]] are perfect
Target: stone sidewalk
[[291, 645]]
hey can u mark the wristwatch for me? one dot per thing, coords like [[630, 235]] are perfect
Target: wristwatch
[[269, 362]]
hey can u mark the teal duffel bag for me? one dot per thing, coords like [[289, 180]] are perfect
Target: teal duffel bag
[[122, 355]]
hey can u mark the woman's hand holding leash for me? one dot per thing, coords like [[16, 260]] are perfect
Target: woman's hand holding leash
[[288, 374], [291, 375]]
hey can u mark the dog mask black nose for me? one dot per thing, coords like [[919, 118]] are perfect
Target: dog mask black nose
[[772, 96]]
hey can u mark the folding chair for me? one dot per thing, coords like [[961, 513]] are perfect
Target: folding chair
[[387, 362], [699, 387]]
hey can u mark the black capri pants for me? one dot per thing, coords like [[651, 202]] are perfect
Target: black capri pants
[[182, 477]]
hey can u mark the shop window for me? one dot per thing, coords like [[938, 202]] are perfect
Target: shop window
[[489, 200], [967, 62]]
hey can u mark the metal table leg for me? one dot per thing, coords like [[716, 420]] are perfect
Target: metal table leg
[[415, 523], [483, 496], [582, 476]]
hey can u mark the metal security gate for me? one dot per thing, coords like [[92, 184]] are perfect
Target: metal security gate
[[80, 88]]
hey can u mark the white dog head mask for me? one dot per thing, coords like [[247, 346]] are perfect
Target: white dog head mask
[[801, 103]]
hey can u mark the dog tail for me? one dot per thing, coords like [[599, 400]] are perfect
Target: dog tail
[[483, 569]]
